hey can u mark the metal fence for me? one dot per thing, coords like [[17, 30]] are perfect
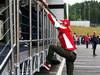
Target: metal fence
[[26, 36]]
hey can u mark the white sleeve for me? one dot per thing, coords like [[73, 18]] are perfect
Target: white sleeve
[[57, 24]]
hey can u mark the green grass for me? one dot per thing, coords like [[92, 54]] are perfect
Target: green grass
[[79, 30]]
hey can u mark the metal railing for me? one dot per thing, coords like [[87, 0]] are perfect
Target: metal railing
[[6, 27], [27, 36]]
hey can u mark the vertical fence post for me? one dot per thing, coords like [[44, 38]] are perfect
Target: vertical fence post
[[54, 34], [30, 20], [38, 33], [56, 37], [43, 32], [14, 21], [50, 32], [17, 55], [47, 30], [7, 23], [43, 26], [11, 37], [37, 26]]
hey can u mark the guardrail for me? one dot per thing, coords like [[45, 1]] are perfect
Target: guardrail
[[7, 39], [27, 36]]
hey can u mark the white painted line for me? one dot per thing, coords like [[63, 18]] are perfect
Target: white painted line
[[91, 60], [87, 63], [61, 67], [90, 56], [87, 56], [87, 66]]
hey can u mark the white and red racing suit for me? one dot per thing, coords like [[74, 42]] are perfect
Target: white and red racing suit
[[65, 36]]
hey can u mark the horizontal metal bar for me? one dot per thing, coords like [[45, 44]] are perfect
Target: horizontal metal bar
[[21, 41], [4, 9], [5, 47], [5, 21], [47, 8], [7, 57], [5, 33]]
